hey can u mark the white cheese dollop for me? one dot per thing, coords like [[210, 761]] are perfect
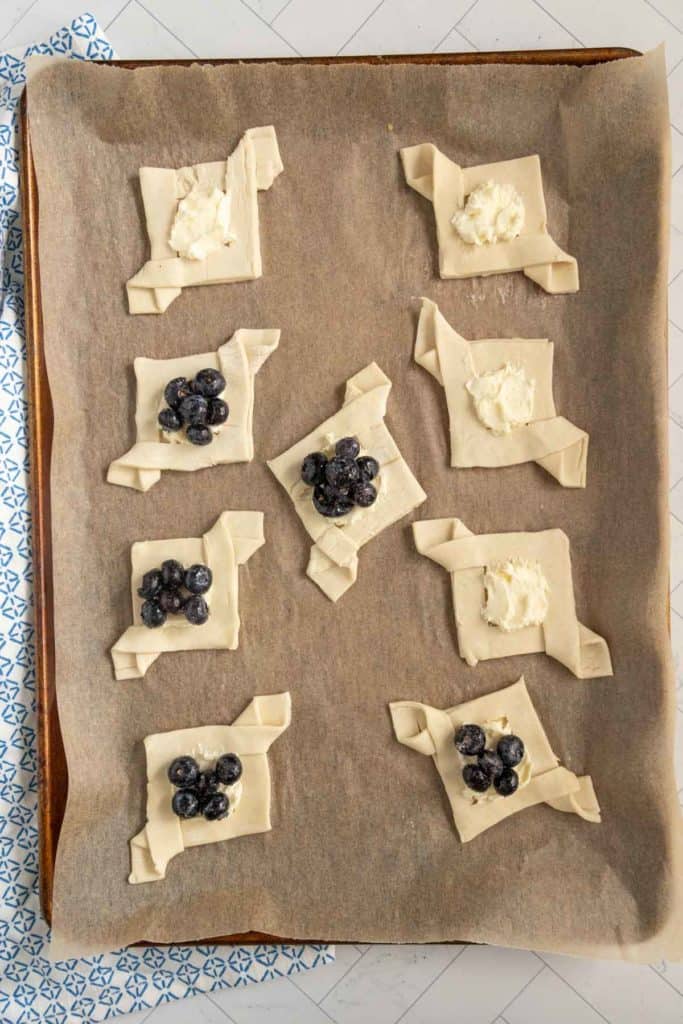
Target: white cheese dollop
[[504, 398], [202, 223], [492, 213], [516, 594]]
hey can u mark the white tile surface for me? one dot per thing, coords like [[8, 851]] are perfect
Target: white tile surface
[[438, 984]]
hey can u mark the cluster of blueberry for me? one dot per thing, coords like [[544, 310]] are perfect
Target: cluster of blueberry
[[343, 481], [195, 405], [162, 590], [492, 767], [199, 792]]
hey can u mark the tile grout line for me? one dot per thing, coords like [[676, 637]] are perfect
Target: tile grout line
[[326, 994], [662, 15], [281, 11], [271, 27], [19, 20], [466, 38], [563, 27], [673, 69], [522, 989], [117, 15], [663, 977], [220, 1008], [348, 969], [452, 961], [362, 25], [576, 991], [160, 22], [454, 26], [313, 1002]]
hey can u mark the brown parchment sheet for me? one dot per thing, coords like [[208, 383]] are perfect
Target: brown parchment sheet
[[362, 846]]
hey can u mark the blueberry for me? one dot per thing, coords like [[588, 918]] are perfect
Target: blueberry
[[194, 410], [476, 778], [218, 412], [363, 494], [198, 579], [152, 614], [216, 807], [170, 602], [196, 610], [313, 468], [347, 448], [176, 390], [169, 420], [172, 574], [368, 467], [330, 503], [507, 782], [491, 763], [341, 473], [152, 582], [511, 750], [470, 740], [198, 434], [185, 803], [208, 383], [183, 771], [206, 785], [228, 769]]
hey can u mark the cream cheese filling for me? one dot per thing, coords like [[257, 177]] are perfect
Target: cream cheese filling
[[517, 594], [503, 399], [492, 213], [202, 223]]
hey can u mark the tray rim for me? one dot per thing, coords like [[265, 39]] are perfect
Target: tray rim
[[52, 768]]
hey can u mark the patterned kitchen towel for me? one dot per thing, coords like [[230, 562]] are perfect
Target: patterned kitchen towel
[[100, 987]]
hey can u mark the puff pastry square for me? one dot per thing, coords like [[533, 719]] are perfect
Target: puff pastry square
[[230, 542], [550, 440], [253, 166], [333, 563], [431, 731], [465, 556], [239, 360], [447, 186], [250, 737]]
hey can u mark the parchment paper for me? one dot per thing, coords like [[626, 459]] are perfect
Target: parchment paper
[[363, 846]]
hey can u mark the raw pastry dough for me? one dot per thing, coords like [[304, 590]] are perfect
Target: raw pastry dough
[[447, 185], [239, 360], [230, 542], [430, 731], [550, 440], [333, 564], [465, 556], [252, 166], [250, 736]]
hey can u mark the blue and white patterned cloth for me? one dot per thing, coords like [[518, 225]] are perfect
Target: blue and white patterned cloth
[[100, 987]]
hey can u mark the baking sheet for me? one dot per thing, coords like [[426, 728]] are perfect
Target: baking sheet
[[362, 846]]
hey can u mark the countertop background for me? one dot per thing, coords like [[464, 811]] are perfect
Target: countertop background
[[428, 984]]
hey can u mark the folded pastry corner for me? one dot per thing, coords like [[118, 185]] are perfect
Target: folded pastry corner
[[238, 360], [496, 578], [203, 222], [230, 542], [250, 736], [490, 219], [499, 395], [509, 711], [333, 562]]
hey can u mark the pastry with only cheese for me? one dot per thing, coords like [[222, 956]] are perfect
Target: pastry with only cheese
[[432, 731], [492, 432], [523, 244], [497, 624], [250, 736], [203, 222]]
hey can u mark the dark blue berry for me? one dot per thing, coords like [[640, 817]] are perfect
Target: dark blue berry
[[507, 782], [199, 434], [151, 585], [228, 769], [169, 420], [363, 494], [176, 390], [511, 750], [491, 763], [198, 579], [313, 468], [152, 614], [368, 467], [172, 574], [218, 412], [216, 807], [330, 503], [183, 772], [476, 778], [170, 602], [196, 610], [470, 740], [341, 473], [194, 410], [347, 448], [209, 383], [185, 803], [206, 785]]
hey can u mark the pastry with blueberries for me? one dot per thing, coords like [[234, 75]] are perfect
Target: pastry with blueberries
[[211, 791], [173, 590], [343, 480]]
